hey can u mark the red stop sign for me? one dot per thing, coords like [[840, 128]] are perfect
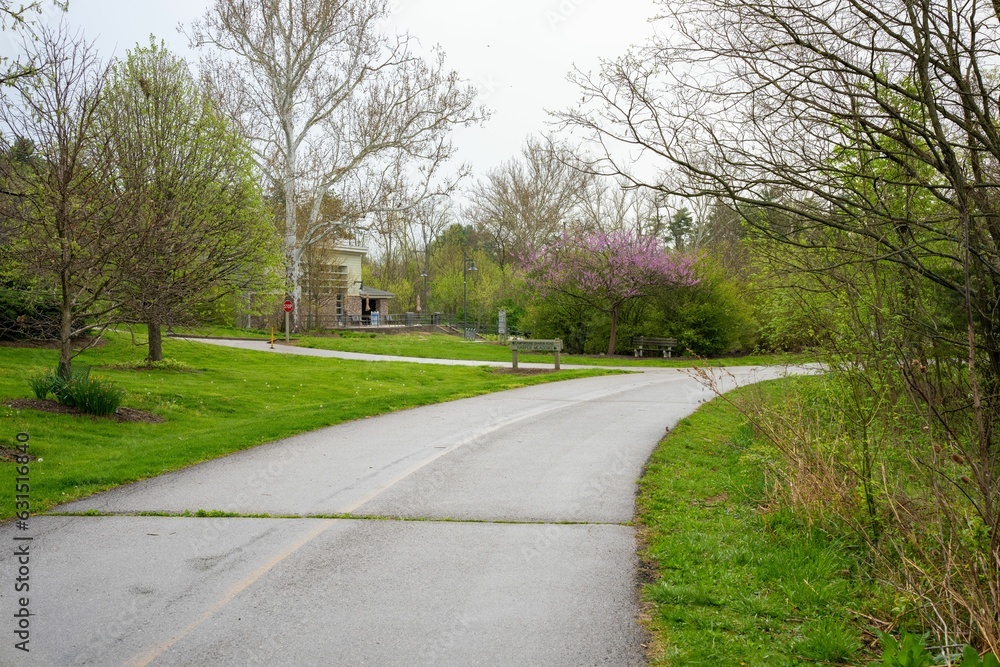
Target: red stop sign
[[288, 306]]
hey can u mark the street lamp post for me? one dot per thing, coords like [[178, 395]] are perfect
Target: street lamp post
[[468, 264], [423, 274]]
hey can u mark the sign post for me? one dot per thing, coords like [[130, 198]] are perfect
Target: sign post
[[288, 305]]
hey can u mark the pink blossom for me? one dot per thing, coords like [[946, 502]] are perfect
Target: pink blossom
[[607, 269]]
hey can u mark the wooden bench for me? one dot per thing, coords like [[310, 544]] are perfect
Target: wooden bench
[[643, 343], [516, 346]]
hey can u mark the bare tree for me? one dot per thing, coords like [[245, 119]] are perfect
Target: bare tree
[[429, 222], [19, 18], [613, 204], [864, 135], [60, 201], [527, 201], [333, 107], [787, 108]]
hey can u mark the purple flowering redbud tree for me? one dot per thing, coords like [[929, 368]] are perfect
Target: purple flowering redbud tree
[[606, 270]]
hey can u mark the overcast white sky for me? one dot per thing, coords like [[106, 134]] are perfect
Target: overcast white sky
[[517, 52]]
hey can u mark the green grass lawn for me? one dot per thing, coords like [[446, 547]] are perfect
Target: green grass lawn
[[443, 346], [732, 584], [229, 400]]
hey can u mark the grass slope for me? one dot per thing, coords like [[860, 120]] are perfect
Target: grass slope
[[229, 400], [732, 584]]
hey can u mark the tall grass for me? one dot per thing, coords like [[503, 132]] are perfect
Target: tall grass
[[854, 454]]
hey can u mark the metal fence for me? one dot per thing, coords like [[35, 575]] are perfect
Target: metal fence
[[388, 322], [381, 321]]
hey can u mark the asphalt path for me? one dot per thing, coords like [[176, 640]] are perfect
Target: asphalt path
[[281, 348], [488, 531]]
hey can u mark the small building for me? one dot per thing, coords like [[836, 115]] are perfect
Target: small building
[[374, 305], [333, 294]]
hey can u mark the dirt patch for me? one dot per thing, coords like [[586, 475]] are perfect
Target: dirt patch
[[11, 455], [720, 499], [122, 415]]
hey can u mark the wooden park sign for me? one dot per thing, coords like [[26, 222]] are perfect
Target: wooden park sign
[[516, 346]]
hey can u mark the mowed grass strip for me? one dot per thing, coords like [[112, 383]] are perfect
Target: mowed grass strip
[[220, 401], [731, 583], [443, 346]]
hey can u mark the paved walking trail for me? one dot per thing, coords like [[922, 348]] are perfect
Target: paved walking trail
[[487, 531]]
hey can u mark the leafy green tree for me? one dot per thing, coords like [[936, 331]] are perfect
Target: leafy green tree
[[712, 318], [63, 215], [680, 226], [198, 228]]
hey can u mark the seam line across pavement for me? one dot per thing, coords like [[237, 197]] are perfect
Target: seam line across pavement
[[343, 517]]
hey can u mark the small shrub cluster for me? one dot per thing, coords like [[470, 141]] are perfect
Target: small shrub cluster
[[90, 395], [43, 384]]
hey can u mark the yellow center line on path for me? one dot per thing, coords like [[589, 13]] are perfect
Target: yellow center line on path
[[230, 595]]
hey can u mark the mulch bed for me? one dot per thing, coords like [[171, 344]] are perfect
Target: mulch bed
[[52, 344], [122, 415]]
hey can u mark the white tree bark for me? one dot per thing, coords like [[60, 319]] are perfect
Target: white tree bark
[[335, 108]]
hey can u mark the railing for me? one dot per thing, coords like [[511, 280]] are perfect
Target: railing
[[451, 321], [389, 320]]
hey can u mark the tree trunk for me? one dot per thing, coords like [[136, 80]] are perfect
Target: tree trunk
[[614, 331], [296, 316], [65, 338], [293, 246], [155, 352]]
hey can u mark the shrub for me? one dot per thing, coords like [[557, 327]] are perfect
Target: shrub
[[48, 382], [42, 384], [851, 453], [91, 395], [711, 319]]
